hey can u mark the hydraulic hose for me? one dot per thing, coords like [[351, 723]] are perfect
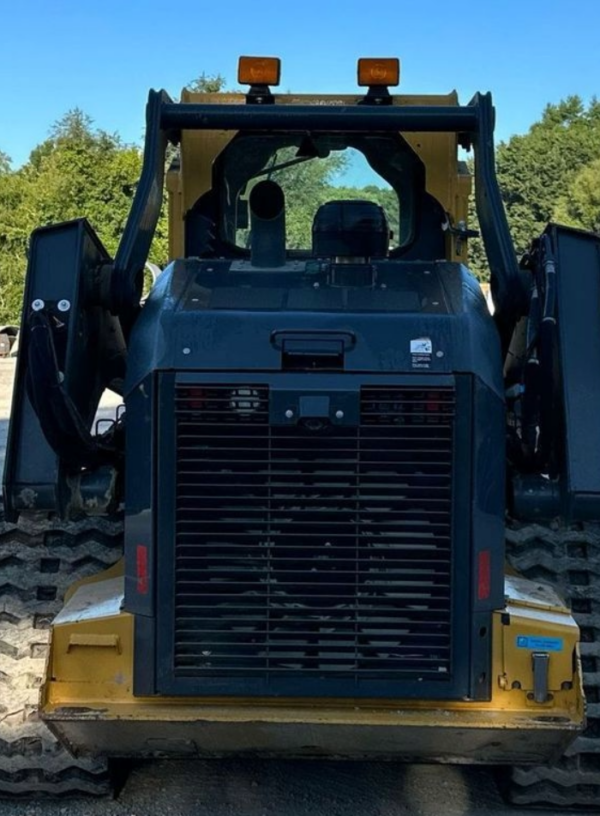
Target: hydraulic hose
[[547, 344]]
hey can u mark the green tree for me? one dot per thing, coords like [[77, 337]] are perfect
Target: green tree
[[4, 163], [79, 171], [548, 173], [83, 172], [207, 83], [579, 206], [13, 244], [537, 168], [477, 258], [306, 185]]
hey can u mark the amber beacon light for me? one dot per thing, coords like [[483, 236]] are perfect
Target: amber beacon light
[[259, 70], [373, 71]]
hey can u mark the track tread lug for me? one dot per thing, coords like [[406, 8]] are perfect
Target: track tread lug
[[569, 558], [38, 562]]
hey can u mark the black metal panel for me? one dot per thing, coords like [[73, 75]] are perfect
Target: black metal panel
[[315, 561], [487, 498], [454, 316], [89, 351], [578, 290]]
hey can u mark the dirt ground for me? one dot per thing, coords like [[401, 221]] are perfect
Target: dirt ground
[[276, 788]]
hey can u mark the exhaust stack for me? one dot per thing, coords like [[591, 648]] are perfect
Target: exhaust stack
[[267, 220]]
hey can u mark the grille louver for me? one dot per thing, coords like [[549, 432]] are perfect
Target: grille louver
[[303, 554]]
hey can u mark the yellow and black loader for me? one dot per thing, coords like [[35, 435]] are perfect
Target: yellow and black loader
[[346, 511]]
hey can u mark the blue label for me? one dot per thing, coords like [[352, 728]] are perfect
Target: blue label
[[544, 644]]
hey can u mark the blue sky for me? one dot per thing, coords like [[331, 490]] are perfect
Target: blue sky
[[103, 56]]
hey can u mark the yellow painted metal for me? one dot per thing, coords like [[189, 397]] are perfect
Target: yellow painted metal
[[94, 640], [447, 179], [91, 666], [192, 177]]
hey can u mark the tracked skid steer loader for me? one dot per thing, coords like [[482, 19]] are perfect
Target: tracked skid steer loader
[[345, 512]]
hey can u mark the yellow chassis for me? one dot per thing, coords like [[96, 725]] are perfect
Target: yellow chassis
[[87, 698]]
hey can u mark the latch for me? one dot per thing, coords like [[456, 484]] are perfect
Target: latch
[[313, 351], [460, 232], [541, 665]]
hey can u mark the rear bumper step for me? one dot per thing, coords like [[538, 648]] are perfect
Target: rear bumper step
[[473, 737]]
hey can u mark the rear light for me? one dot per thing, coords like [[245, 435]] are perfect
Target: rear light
[[484, 575], [195, 399], [373, 72], [259, 70], [142, 569]]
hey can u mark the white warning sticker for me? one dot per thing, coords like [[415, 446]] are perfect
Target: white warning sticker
[[421, 349], [421, 345]]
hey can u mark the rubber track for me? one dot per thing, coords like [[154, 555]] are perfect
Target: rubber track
[[39, 560], [569, 559]]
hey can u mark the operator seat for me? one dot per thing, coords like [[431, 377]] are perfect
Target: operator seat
[[350, 228]]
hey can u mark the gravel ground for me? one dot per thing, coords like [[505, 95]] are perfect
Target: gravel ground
[[270, 788], [275, 788]]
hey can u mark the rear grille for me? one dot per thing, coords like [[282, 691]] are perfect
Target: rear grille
[[313, 554]]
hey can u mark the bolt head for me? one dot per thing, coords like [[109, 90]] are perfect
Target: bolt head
[[64, 305], [38, 305], [339, 414], [187, 350], [289, 414]]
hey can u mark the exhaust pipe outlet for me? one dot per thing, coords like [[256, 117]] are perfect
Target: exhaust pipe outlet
[[267, 222]]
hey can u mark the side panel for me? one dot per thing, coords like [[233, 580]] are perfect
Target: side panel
[[578, 287], [487, 502], [141, 500]]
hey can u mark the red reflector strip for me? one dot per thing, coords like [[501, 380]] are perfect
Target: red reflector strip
[[484, 575], [142, 569]]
